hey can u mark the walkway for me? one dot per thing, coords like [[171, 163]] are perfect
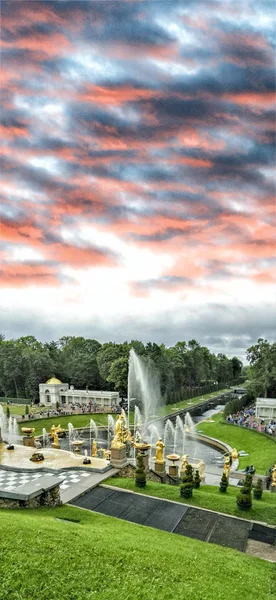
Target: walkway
[[174, 517], [73, 482]]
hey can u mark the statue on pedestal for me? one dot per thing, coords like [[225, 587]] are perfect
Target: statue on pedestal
[[118, 440], [273, 476], [94, 448], [226, 466], [159, 454], [184, 462], [235, 454]]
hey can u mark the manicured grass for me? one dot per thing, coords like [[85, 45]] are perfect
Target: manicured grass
[[207, 496], [76, 420], [261, 449], [93, 556], [19, 409], [171, 408]]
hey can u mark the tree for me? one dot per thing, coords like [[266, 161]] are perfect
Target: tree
[[236, 367], [118, 375], [244, 497], [258, 490], [186, 487], [223, 483], [197, 480], [262, 374]]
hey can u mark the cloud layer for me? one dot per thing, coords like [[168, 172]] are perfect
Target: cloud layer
[[137, 170]]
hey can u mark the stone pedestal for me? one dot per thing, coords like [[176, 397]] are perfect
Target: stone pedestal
[[29, 441], [118, 457], [173, 470], [160, 467]]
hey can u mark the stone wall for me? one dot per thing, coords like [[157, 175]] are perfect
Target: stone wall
[[127, 471], [48, 498]]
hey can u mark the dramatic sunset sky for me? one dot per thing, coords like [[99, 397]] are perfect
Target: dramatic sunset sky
[[137, 178]]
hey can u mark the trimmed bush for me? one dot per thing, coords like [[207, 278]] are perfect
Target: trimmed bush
[[26, 409], [186, 487], [140, 474], [197, 480], [258, 490], [248, 481], [8, 412], [244, 498], [223, 483]]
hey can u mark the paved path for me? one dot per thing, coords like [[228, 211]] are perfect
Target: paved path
[[169, 516], [73, 482]]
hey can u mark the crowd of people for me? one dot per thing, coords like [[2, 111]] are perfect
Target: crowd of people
[[246, 418], [73, 409]]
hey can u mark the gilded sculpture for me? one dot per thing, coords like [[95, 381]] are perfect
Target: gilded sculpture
[[235, 454], [159, 454]]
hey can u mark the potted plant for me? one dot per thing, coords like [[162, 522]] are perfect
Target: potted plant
[[244, 498], [258, 490], [186, 487], [197, 480], [223, 483], [140, 474]]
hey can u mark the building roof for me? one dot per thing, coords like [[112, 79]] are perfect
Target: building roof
[[53, 381]]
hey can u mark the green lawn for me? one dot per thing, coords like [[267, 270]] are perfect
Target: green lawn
[[208, 496], [19, 409], [76, 420], [261, 449], [171, 408], [90, 556]]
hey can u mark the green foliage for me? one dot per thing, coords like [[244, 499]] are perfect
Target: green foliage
[[186, 487], [185, 371], [26, 409], [248, 481], [244, 497], [258, 490], [223, 483], [197, 480], [140, 473], [262, 372], [8, 412], [235, 405]]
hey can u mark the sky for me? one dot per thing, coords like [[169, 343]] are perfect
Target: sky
[[137, 177]]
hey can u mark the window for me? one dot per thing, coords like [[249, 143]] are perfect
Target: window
[[47, 396]]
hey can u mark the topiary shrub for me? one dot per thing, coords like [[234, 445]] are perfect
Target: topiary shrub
[[186, 487], [258, 490], [140, 474], [26, 409], [8, 412], [197, 480], [248, 481], [223, 483], [244, 498]]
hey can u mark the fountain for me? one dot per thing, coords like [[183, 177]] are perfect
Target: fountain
[[71, 434], [144, 387], [45, 438]]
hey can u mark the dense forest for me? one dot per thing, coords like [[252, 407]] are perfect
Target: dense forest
[[25, 362]]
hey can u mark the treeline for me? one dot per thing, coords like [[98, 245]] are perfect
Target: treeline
[[186, 369]]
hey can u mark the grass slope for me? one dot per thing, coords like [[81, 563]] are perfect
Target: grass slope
[[76, 420], [171, 408], [108, 559], [207, 496], [261, 449]]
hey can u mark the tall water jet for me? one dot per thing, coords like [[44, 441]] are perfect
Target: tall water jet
[[12, 431], [143, 386], [169, 436], [45, 438], [3, 424], [179, 436], [110, 429], [71, 435]]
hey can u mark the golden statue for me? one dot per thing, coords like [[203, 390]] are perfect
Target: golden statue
[[201, 469], [55, 429], [273, 476], [94, 448], [226, 466], [184, 462], [118, 440], [159, 454], [235, 454], [55, 443]]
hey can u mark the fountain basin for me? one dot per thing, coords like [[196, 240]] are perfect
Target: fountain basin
[[53, 459]]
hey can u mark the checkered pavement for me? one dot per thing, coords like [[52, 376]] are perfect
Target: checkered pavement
[[10, 480]]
